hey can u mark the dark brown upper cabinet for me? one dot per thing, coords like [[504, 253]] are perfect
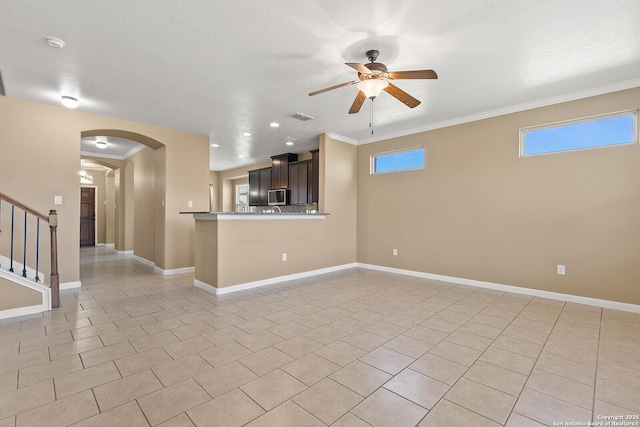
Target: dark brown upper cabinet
[[259, 186], [280, 170]]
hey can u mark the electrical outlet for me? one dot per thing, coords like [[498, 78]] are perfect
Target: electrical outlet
[[284, 256], [190, 203], [561, 269], [395, 252]]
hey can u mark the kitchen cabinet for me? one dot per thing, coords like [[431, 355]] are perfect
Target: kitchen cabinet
[[259, 186], [298, 182], [280, 169], [304, 180]]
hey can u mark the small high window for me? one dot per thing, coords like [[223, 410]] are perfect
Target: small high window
[[394, 161], [600, 131]]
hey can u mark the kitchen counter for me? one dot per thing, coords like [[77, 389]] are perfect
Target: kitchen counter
[[234, 216], [241, 250]]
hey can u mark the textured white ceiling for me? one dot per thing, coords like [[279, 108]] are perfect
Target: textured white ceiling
[[220, 68]]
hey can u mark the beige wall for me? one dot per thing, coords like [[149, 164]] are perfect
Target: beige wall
[[128, 209], [46, 141], [145, 203], [478, 211], [110, 208], [17, 296]]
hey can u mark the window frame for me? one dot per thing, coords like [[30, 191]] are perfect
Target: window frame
[[372, 160], [571, 122]]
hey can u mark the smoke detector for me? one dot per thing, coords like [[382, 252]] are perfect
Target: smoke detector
[[55, 43]]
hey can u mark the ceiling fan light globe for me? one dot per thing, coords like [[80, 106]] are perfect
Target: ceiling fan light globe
[[372, 87], [69, 101]]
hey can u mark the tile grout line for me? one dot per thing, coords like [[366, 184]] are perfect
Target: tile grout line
[[478, 358], [595, 379]]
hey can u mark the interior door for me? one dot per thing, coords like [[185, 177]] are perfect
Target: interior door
[[87, 216]]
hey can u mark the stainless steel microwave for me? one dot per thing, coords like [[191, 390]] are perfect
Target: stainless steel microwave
[[278, 197]]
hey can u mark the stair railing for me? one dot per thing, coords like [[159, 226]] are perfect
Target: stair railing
[[52, 220]]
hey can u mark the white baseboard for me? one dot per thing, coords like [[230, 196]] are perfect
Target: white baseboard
[[100, 244], [143, 260], [270, 281], [124, 252], [21, 311], [70, 285], [109, 245], [614, 305], [204, 286], [171, 272], [162, 271]]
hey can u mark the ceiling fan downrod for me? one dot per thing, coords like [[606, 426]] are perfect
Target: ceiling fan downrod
[[371, 115]]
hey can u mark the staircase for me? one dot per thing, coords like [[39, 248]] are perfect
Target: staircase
[[22, 230]]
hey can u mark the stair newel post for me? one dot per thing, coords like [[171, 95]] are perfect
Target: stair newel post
[[54, 278]]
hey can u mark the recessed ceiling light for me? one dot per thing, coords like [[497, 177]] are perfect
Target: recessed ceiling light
[[215, 145], [246, 133], [69, 101], [241, 156], [289, 143], [55, 43], [274, 124]]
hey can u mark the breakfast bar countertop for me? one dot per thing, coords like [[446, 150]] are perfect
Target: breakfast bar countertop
[[255, 215]]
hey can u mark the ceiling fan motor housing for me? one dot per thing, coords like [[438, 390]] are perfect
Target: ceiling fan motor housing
[[376, 68]]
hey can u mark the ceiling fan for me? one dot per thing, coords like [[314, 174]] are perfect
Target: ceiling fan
[[374, 77]]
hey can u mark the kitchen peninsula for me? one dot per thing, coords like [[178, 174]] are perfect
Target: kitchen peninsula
[[242, 250]]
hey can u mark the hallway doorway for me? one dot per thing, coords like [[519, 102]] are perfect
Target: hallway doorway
[[87, 216]]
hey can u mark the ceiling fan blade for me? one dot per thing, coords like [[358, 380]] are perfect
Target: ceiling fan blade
[[359, 67], [357, 103], [417, 74], [333, 87], [402, 96]]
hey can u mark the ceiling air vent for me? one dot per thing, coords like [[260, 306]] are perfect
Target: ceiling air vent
[[302, 117], [2, 86]]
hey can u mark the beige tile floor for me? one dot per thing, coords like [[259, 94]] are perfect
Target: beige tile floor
[[354, 348]]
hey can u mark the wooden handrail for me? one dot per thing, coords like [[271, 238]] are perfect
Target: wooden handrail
[[24, 207]]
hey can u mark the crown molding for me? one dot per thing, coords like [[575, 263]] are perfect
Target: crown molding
[[600, 90], [343, 138], [125, 156]]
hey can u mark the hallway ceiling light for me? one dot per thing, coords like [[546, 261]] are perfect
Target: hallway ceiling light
[[69, 101], [101, 142], [274, 124], [55, 43]]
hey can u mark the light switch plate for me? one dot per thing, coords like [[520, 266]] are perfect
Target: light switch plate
[[57, 200]]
